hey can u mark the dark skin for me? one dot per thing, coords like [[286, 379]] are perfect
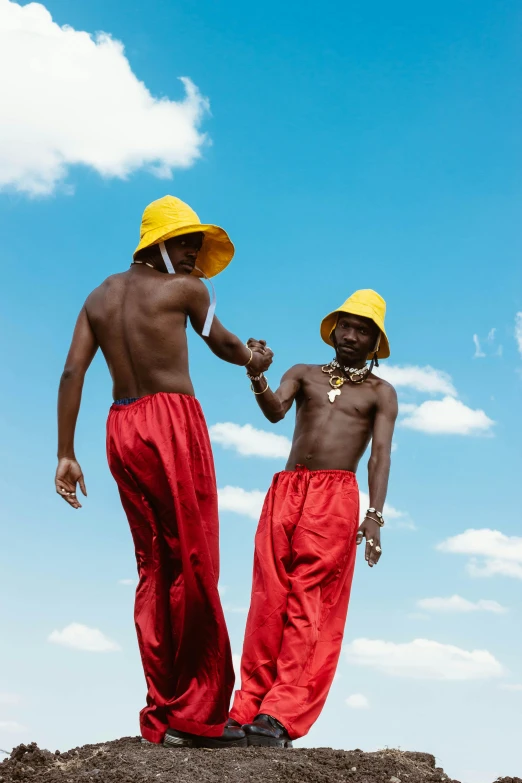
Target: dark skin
[[138, 319], [334, 436]]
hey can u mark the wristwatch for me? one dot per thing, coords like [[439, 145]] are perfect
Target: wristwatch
[[380, 518]]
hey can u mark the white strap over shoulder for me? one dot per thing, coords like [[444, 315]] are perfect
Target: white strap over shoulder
[[212, 309], [166, 259]]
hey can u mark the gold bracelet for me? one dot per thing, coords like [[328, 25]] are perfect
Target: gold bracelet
[[381, 524], [251, 356], [258, 393]]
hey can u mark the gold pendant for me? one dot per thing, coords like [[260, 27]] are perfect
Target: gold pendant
[[333, 393]]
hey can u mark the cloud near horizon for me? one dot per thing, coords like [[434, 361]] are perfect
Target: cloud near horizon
[[423, 659], [71, 98], [457, 604], [448, 416], [249, 441], [81, 637], [499, 554], [357, 701]]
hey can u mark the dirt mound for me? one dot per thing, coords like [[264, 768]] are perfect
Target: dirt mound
[[128, 761]]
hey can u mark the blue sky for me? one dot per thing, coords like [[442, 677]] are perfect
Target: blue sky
[[346, 145]]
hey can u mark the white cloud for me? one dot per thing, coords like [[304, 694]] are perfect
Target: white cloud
[[421, 379], [400, 518], [241, 501], [494, 568], [501, 554], [12, 727], [512, 687], [70, 98], [447, 417], [9, 698], [423, 659], [457, 604], [249, 441], [407, 407], [518, 331], [80, 637], [491, 335], [479, 353], [357, 701], [127, 582]]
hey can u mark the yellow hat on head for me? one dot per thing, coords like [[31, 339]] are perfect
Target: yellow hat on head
[[368, 304], [170, 217]]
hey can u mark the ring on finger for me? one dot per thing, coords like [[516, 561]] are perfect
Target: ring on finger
[[378, 549], [370, 541]]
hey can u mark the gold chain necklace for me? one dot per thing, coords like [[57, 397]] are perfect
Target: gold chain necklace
[[354, 374]]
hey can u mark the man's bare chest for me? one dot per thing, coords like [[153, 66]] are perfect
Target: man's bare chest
[[349, 398]]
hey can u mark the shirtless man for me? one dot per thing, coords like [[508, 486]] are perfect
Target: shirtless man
[[306, 540], [159, 453]]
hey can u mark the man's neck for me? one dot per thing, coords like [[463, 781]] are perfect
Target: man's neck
[[356, 365]]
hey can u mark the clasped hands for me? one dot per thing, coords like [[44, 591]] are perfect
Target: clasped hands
[[262, 356]]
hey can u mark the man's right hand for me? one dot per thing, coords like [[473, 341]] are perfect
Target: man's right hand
[[262, 356], [68, 474]]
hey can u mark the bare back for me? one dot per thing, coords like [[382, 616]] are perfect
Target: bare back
[[334, 436], [139, 321]]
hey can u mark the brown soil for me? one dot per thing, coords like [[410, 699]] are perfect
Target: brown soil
[[128, 761]]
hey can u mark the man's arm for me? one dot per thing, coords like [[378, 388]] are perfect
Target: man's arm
[[276, 404], [379, 467], [221, 342], [81, 353]]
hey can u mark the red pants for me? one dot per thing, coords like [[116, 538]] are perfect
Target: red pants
[[303, 567], [159, 453]]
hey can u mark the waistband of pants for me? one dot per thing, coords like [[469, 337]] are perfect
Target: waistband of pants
[[131, 402], [303, 470]]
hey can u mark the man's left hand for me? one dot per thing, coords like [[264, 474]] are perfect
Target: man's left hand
[[68, 474], [371, 531]]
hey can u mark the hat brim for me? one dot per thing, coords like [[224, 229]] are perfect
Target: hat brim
[[329, 323], [216, 252]]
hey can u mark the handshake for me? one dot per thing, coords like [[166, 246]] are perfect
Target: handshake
[[262, 357]]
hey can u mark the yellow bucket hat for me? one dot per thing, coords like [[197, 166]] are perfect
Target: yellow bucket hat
[[368, 304], [170, 217]]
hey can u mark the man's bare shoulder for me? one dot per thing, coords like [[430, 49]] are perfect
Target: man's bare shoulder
[[385, 392], [101, 289], [298, 371]]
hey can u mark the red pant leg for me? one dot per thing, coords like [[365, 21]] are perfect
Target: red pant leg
[[160, 456], [318, 571], [270, 585]]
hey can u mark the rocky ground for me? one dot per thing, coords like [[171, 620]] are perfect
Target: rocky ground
[[128, 761]]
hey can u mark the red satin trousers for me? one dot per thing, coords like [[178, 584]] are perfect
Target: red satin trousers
[[303, 566], [159, 453]]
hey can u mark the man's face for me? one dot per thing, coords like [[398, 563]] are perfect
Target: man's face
[[354, 337], [183, 251]]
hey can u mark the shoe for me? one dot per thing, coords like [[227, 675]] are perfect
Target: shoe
[[266, 731], [232, 737], [178, 739], [231, 723]]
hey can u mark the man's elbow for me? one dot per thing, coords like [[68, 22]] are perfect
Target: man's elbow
[[71, 374], [273, 418], [379, 460]]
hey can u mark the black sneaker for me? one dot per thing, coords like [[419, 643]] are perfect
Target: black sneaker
[[232, 737], [266, 731], [178, 739]]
